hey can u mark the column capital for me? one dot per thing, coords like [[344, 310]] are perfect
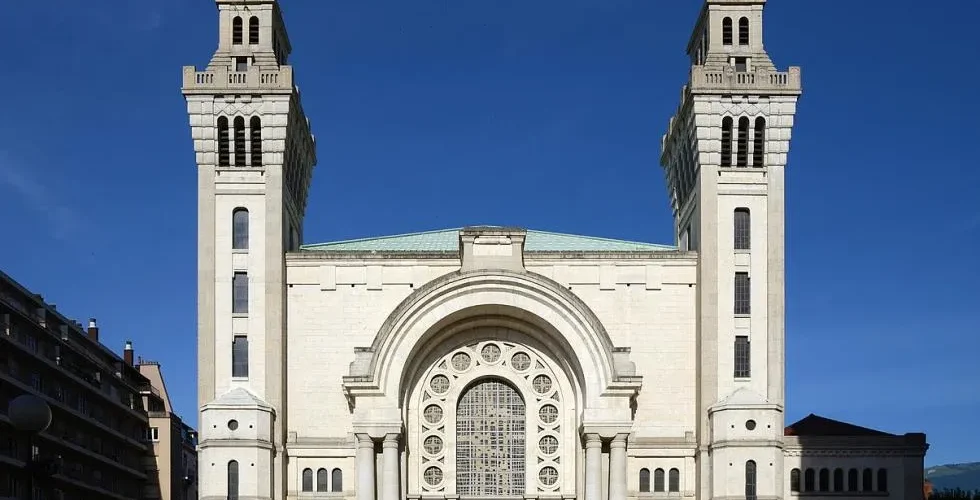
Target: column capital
[[364, 441], [391, 440], [592, 440], [619, 441]]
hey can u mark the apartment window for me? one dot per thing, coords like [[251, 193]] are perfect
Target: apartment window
[[253, 31], [239, 297], [236, 31], [867, 480], [838, 479], [743, 142], [239, 142], [239, 229], [726, 31], [852, 480], [307, 479], [759, 143], [743, 31], [255, 129], [743, 366], [809, 480], [794, 480], [882, 480], [726, 141], [153, 434], [742, 229], [338, 480], [742, 294], [750, 480], [824, 480], [674, 480], [644, 480], [239, 356], [321, 480], [233, 480], [224, 149], [658, 480]]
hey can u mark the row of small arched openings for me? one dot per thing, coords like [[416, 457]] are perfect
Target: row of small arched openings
[[242, 141], [336, 478], [238, 29], [673, 480], [814, 480], [742, 152], [743, 31]]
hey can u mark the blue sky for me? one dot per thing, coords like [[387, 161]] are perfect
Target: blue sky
[[456, 105]]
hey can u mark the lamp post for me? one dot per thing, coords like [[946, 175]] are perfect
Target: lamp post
[[31, 415]]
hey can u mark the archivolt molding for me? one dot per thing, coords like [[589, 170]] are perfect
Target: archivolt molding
[[569, 328]]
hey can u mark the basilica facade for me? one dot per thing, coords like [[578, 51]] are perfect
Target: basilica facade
[[501, 362]]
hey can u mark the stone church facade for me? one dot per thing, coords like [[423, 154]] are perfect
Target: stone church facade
[[497, 362]]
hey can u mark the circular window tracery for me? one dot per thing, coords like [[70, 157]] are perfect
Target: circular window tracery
[[433, 476], [548, 444], [542, 384], [439, 384], [433, 445], [461, 361], [520, 361], [548, 476], [548, 413], [432, 414], [490, 353]]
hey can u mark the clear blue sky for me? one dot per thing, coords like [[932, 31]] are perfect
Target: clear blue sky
[[429, 113]]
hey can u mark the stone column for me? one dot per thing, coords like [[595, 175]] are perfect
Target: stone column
[[617, 468], [593, 467], [365, 467], [389, 476]]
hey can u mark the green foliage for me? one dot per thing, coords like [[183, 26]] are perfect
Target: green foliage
[[955, 494]]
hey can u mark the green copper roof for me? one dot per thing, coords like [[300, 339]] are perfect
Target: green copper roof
[[447, 240]]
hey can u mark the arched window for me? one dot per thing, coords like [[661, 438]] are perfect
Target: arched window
[[743, 142], [307, 479], [726, 31], [644, 480], [743, 31], [852, 480], [253, 31], [750, 480], [674, 480], [256, 140], [743, 231], [490, 422], [867, 480], [759, 143], [794, 480], [726, 142], [809, 480], [224, 149], [658, 480], [838, 479], [338, 481], [882, 480], [321, 480], [236, 31], [239, 229], [233, 480], [824, 480], [239, 142]]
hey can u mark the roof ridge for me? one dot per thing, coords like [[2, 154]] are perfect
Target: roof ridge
[[383, 237], [599, 238]]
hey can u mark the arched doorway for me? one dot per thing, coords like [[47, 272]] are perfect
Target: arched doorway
[[490, 441]]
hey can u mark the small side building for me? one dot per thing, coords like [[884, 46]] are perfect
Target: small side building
[[171, 463]]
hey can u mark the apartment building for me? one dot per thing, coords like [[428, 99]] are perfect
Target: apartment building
[[172, 466]]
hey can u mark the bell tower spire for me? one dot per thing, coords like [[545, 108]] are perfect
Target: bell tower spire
[[255, 155]]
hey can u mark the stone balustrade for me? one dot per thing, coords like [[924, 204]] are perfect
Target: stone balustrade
[[256, 79], [759, 81]]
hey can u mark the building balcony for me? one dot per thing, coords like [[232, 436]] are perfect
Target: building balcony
[[255, 80], [760, 81]]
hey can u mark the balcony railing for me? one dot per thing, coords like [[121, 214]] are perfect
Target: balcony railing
[[761, 80], [224, 78]]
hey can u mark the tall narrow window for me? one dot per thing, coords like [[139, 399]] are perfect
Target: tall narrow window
[[743, 142], [809, 480], [726, 141], [224, 149], [490, 441], [852, 480], [726, 31], [750, 480], [743, 231], [321, 480], [882, 480], [743, 366], [867, 480], [307, 479], [256, 140], [644, 480], [794, 480], [236, 31], [239, 229], [239, 142], [759, 143], [233, 480], [742, 294], [658, 480], [337, 479], [239, 360], [674, 480], [253, 31], [743, 31], [824, 480], [838, 479], [239, 297]]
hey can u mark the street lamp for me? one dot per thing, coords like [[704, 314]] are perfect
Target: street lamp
[[32, 416]]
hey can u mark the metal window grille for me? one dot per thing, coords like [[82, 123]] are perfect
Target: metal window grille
[[743, 229], [253, 31], [644, 480], [239, 356], [239, 229], [255, 127], [743, 365], [743, 142], [658, 480], [794, 480], [236, 31], [490, 440], [337, 480], [726, 141], [750, 480], [726, 31], [307, 479], [239, 142], [743, 31], [239, 297], [321, 480], [224, 150], [759, 143], [742, 294], [674, 480]]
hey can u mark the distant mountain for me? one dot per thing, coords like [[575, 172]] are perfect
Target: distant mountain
[[952, 476]]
